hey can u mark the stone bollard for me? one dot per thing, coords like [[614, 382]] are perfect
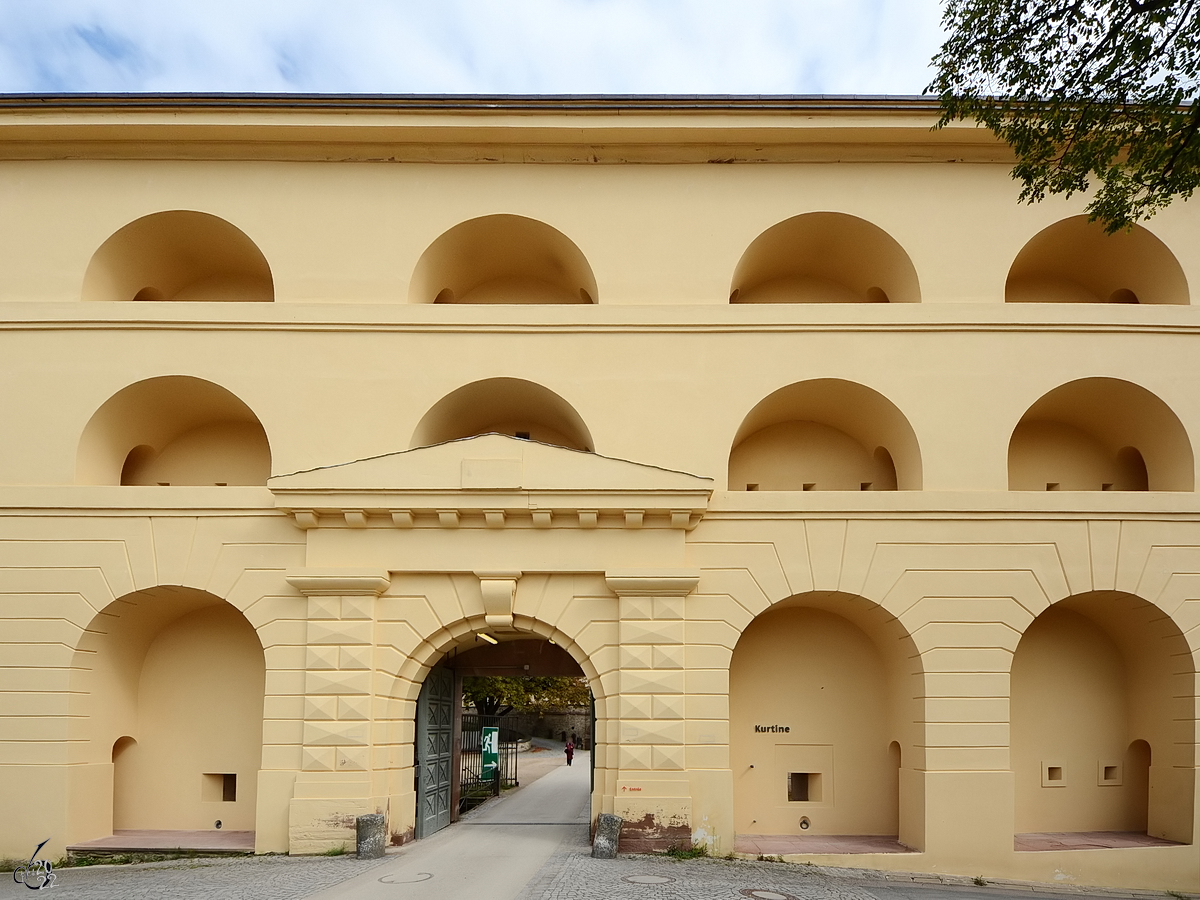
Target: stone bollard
[[608, 836], [370, 832]]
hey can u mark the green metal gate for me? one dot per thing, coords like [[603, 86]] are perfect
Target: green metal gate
[[434, 751]]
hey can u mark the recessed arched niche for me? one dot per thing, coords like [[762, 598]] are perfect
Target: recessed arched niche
[[503, 259], [1101, 728], [167, 694], [509, 406], [825, 257], [804, 663], [825, 435], [1100, 434], [179, 255], [1074, 261], [173, 430]]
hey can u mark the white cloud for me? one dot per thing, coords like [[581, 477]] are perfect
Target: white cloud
[[469, 46]]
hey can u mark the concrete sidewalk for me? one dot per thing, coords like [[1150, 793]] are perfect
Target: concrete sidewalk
[[492, 853]]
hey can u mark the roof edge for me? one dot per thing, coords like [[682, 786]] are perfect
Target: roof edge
[[482, 102]]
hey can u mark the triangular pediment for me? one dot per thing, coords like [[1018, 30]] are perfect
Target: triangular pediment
[[491, 472]]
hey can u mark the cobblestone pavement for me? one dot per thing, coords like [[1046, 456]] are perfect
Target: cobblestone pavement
[[571, 874], [237, 878]]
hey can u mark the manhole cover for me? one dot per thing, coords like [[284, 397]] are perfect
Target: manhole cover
[[763, 894], [406, 878], [648, 879]]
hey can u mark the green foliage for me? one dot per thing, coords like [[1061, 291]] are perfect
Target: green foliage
[[1097, 94], [127, 859], [694, 852], [495, 695], [339, 850]]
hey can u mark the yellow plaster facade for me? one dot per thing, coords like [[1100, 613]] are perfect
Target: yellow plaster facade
[[863, 496]]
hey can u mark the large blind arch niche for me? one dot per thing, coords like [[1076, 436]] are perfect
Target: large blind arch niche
[[824, 257], [173, 430], [1074, 261], [179, 254], [503, 259]]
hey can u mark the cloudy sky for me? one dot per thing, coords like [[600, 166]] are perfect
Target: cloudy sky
[[469, 46]]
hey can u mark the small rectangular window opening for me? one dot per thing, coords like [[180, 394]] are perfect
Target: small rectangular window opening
[[752, 487], [1052, 485], [1109, 772], [1106, 486], [219, 787], [804, 787], [522, 435], [810, 486], [864, 486], [1054, 773]]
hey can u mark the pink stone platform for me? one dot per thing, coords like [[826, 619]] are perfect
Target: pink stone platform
[[787, 844], [1085, 840], [152, 841]]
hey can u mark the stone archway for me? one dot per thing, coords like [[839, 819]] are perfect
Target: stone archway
[[441, 755]]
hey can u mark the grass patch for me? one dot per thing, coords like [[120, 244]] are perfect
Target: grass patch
[[979, 881], [125, 859], [762, 858], [339, 850], [677, 852]]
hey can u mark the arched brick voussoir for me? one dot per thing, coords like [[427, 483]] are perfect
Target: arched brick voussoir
[[901, 574], [761, 563], [1021, 586], [406, 690], [733, 595], [268, 611], [941, 622], [413, 669], [1178, 599]]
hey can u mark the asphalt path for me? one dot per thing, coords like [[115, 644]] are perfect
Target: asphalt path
[[490, 854]]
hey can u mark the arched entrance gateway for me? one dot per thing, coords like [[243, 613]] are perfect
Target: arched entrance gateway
[[451, 773], [570, 561]]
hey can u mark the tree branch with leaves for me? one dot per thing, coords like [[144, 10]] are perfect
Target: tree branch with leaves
[[497, 695], [1090, 96]]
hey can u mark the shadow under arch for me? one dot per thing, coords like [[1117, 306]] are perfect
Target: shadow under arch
[[824, 257], [1074, 261], [179, 254], [510, 406], [167, 703], [173, 429], [505, 259], [825, 434], [1103, 727], [1098, 434], [845, 679]]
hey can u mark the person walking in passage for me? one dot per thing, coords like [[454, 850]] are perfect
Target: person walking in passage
[[570, 751]]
